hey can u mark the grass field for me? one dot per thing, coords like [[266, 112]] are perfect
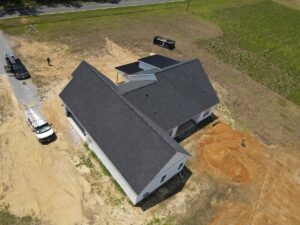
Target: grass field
[[259, 37], [6, 218], [262, 39]]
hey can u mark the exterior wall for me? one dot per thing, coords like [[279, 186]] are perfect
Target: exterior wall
[[108, 164], [170, 170], [66, 110], [146, 66], [111, 168], [141, 77], [201, 116]]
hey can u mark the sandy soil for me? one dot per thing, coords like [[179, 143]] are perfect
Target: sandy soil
[[52, 182], [5, 101], [36, 179], [230, 184], [264, 183], [64, 62]]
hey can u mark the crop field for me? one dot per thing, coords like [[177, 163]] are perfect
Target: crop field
[[262, 39]]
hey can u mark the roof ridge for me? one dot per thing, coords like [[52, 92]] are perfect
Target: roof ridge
[[163, 70], [150, 82], [176, 65], [147, 120]]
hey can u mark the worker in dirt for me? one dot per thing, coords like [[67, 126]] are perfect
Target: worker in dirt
[[49, 61], [243, 143]]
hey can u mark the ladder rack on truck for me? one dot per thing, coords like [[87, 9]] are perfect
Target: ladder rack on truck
[[39, 125], [35, 116]]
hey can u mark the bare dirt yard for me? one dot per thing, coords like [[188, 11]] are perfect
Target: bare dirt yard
[[261, 185], [61, 183]]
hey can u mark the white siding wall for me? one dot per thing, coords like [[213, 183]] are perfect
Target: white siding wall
[[141, 77], [146, 66], [111, 168], [170, 170], [108, 164]]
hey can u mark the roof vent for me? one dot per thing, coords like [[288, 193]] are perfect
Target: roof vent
[[147, 95]]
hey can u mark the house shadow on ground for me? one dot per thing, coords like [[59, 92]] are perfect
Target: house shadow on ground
[[190, 127], [177, 183], [169, 189]]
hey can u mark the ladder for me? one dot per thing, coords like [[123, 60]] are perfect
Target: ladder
[[35, 116]]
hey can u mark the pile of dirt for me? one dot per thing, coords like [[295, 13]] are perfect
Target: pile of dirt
[[231, 154], [262, 183]]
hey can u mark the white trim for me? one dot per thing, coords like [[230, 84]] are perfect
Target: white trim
[[146, 66], [173, 132], [76, 128]]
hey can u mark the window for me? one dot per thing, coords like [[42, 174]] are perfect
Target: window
[[146, 194], [163, 178], [180, 166], [206, 113]]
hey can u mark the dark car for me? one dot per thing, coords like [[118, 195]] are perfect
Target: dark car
[[15, 66], [164, 42]]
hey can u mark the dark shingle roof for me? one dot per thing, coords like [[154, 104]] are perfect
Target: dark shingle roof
[[136, 146], [133, 85], [130, 68], [181, 92], [159, 61]]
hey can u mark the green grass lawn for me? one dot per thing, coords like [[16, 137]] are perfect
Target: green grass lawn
[[6, 218], [263, 40]]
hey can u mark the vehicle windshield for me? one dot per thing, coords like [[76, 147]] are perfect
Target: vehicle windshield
[[19, 67], [43, 128]]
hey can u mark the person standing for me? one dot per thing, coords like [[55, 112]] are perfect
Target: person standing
[[49, 61]]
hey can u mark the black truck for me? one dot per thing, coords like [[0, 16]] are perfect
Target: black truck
[[164, 42], [15, 66]]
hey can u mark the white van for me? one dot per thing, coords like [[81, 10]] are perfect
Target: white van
[[39, 125]]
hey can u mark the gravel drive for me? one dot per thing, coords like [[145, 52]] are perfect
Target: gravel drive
[[25, 91]]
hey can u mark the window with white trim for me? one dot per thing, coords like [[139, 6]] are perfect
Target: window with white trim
[[180, 166]]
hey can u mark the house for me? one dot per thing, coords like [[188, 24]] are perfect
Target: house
[[169, 92], [130, 138]]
